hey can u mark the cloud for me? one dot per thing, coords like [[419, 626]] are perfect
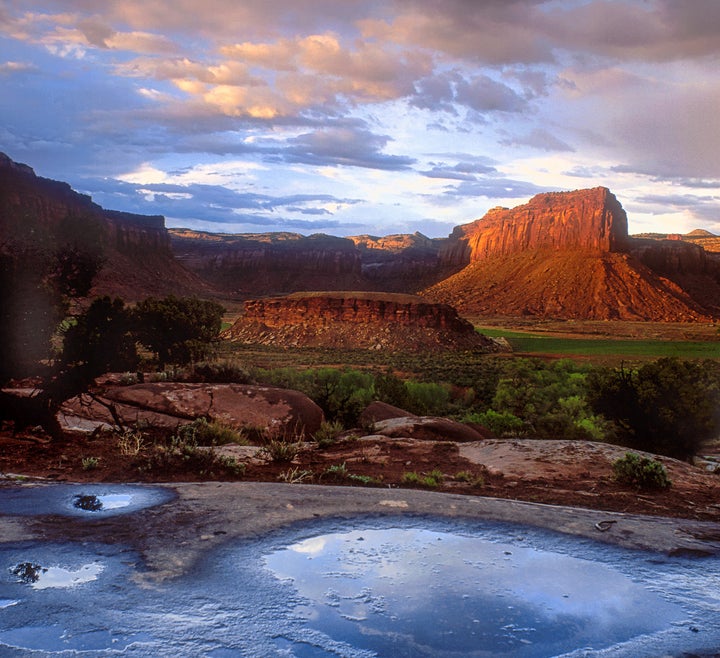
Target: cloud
[[465, 171], [343, 146], [490, 32], [331, 96], [213, 204], [496, 188], [11, 68], [539, 138], [661, 30], [701, 209]]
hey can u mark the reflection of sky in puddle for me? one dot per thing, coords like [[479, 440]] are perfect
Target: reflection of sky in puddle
[[60, 577], [363, 588], [417, 592], [97, 502], [89, 500]]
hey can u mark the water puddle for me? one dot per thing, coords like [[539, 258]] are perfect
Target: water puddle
[[80, 500], [422, 593], [363, 589], [39, 577]]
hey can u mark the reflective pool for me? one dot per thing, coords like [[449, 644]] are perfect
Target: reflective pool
[[419, 592], [362, 588], [80, 499]]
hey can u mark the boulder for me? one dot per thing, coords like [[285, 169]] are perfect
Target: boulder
[[377, 411], [280, 412], [426, 428]]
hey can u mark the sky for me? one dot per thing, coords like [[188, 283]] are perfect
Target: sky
[[376, 117]]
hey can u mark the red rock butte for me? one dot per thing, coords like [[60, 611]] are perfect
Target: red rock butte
[[364, 320], [587, 220], [569, 255]]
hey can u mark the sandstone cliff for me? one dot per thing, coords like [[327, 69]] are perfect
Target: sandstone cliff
[[256, 264], [42, 213], [588, 220], [249, 265], [569, 255], [401, 262], [355, 320]]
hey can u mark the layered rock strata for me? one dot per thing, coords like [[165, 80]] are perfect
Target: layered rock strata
[[587, 220], [356, 320], [39, 213], [569, 255]]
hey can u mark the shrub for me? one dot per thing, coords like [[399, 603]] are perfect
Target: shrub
[[362, 479], [427, 399], [432, 479], [220, 372], [328, 433], [130, 443], [668, 406], [295, 475], [502, 424], [640, 472], [178, 330], [410, 477], [279, 450], [90, 463], [210, 433], [470, 478], [337, 471], [230, 465], [182, 453]]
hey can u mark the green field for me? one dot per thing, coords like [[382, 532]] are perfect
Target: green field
[[526, 343]]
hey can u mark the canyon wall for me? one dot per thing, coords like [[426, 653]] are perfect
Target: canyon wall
[[587, 220], [39, 213]]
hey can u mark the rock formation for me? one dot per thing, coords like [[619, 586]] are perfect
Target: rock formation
[[569, 255], [40, 213], [248, 265], [587, 220], [273, 411], [257, 264], [401, 262], [563, 255], [355, 320]]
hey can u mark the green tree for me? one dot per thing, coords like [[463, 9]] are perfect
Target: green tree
[[550, 399], [670, 407], [101, 338], [178, 329]]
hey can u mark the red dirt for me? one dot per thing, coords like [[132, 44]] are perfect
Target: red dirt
[[553, 472]]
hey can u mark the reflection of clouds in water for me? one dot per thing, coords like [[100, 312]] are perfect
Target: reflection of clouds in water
[[423, 583], [115, 501], [563, 586], [59, 577], [312, 546]]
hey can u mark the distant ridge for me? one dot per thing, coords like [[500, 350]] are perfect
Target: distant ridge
[[135, 249], [700, 233]]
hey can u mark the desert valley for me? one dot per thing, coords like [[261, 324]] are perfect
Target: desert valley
[[538, 385]]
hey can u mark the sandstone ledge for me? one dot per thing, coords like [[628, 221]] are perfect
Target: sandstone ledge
[[356, 320]]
